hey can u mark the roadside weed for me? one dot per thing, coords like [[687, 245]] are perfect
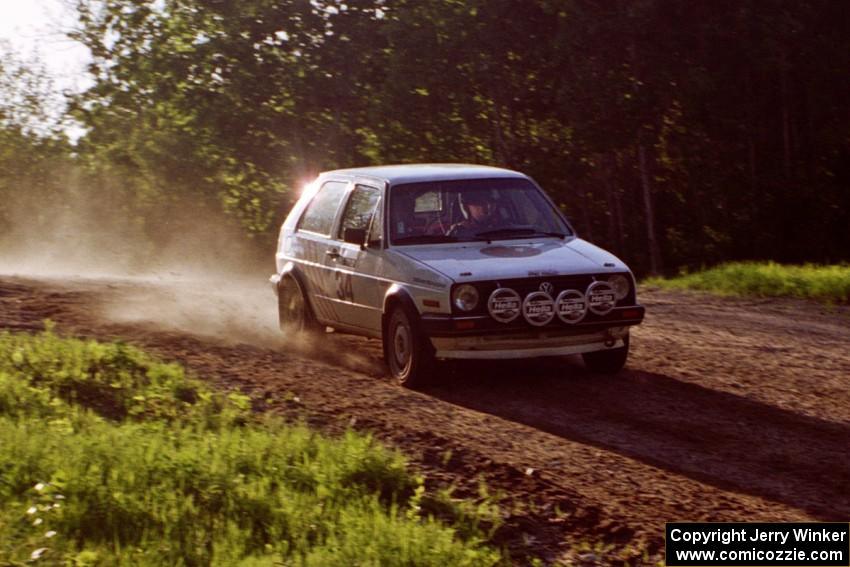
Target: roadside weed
[[110, 457], [829, 284]]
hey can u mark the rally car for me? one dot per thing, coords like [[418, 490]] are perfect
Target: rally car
[[448, 261]]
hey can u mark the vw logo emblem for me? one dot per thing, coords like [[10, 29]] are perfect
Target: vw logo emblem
[[547, 287]]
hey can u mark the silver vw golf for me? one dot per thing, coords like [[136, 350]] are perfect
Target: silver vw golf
[[445, 261]]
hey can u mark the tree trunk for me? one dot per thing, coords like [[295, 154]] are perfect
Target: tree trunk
[[585, 212], [755, 202], [654, 250], [786, 119], [615, 214]]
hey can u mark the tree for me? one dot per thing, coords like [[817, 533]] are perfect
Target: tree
[[677, 133]]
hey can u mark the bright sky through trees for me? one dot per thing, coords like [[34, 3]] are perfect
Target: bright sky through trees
[[37, 28], [35, 32]]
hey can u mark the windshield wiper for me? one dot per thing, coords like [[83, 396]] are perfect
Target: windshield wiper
[[560, 235], [518, 231], [425, 239]]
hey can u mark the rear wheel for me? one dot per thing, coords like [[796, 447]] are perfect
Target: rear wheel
[[407, 351], [293, 310], [608, 361]]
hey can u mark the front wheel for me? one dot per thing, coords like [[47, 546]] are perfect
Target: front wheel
[[408, 353], [608, 361]]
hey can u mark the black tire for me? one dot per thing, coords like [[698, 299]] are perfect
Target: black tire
[[608, 361], [293, 309], [408, 353]]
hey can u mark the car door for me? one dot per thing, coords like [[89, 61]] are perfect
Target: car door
[[357, 286], [319, 250]]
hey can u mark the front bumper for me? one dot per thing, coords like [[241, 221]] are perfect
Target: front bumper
[[481, 337], [497, 347]]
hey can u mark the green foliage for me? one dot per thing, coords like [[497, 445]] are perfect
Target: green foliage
[[734, 109], [829, 284], [109, 457], [469, 517], [115, 380], [725, 125]]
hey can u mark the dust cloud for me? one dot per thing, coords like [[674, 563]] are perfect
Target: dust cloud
[[183, 269], [235, 311], [80, 231], [182, 266]]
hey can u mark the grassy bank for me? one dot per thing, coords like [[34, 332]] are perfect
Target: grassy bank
[[110, 457], [830, 284]]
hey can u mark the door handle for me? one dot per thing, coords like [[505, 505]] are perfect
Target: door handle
[[333, 253]]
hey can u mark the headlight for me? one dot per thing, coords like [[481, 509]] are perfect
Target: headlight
[[465, 297], [620, 284]]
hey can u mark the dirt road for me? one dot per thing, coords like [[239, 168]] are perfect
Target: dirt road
[[729, 409]]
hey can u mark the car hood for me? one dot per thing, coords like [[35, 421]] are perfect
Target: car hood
[[474, 261]]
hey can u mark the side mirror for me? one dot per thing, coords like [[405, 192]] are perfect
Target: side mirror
[[354, 236]]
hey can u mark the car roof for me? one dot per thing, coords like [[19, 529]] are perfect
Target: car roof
[[417, 172]]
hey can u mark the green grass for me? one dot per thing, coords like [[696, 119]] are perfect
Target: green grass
[[829, 284], [110, 457]]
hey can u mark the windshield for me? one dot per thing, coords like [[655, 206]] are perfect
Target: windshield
[[467, 210]]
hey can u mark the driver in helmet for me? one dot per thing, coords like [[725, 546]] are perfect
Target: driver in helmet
[[479, 208]]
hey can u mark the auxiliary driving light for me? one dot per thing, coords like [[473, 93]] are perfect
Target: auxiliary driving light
[[571, 306], [600, 297], [538, 308], [504, 305]]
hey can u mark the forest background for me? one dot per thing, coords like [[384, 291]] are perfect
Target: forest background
[[675, 134]]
